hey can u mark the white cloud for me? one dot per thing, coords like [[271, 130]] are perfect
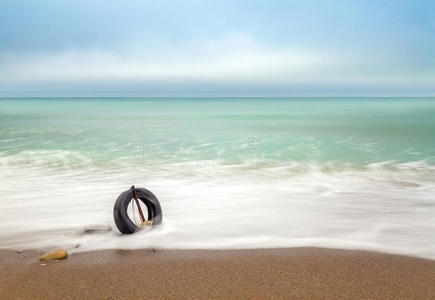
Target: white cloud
[[235, 59], [202, 63]]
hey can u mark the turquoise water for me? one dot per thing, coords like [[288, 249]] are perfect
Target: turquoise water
[[229, 172], [108, 132]]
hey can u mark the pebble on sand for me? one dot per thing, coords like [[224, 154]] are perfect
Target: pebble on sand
[[54, 255]]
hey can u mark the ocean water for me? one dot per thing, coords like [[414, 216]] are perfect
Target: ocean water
[[355, 173]]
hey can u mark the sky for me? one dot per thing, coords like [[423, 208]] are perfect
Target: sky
[[217, 48]]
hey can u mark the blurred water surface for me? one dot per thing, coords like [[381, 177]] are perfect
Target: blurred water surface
[[230, 173]]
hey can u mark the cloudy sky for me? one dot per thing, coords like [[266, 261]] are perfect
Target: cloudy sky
[[217, 48]]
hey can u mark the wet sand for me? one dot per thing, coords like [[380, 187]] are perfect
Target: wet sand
[[302, 273]]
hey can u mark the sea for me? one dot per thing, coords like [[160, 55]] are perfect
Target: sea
[[230, 173]]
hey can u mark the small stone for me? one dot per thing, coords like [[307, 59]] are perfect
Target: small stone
[[42, 265], [97, 229], [19, 251], [56, 254]]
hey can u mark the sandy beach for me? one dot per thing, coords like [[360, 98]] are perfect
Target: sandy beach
[[203, 274]]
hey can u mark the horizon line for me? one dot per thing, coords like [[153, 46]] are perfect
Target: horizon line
[[220, 97]]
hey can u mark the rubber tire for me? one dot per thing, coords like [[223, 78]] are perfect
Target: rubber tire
[[122, 220]]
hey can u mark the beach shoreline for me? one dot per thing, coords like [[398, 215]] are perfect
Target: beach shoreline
[[198, 274]]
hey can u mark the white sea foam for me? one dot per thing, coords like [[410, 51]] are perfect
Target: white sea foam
[[59, 159], [385, 206]]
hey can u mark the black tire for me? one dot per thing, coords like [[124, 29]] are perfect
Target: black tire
[[122, 220]]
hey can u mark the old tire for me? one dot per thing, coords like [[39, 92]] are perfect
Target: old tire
[[123, 222]]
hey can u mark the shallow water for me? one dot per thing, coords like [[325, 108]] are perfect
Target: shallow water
[[230, 173]]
